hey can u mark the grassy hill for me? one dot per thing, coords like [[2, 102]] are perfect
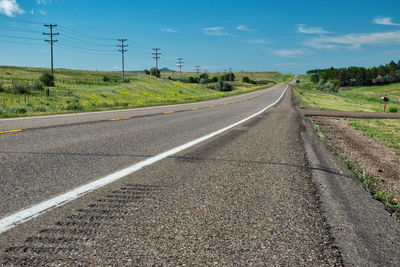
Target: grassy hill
[[362, 98], [78, 91]]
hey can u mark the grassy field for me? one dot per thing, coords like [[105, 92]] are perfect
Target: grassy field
[[367, 99], [387, 131], [355, 99], [257, 76], [78, 91]]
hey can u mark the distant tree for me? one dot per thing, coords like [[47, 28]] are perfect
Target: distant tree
[[224, 86], [315, 78], [155, 72], [246, 79], [213, 79], [204, 76], [193, 79], [146, 71], [20, 87], [47, 79], [106, 78]]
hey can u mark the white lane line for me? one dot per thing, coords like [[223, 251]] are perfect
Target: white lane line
[[137, 109], [24, 215]]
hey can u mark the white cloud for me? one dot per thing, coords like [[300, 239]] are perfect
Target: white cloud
[[243, 28], [32, 11], [216, 31], [302, 28], [43, 2], [258, 41], [354, 41], [385, 21], [44, 13], [290, 53], [10, 8], [168, 30]]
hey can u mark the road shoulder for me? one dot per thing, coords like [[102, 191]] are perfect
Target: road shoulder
[[364, 231]]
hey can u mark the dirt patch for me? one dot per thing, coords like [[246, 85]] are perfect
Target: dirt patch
[[371, 157]]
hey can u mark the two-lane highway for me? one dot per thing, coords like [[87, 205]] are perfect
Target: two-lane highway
[[54, 154], [235, 181]]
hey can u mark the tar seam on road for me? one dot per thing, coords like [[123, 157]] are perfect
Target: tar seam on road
[[27, 214], [11, 131], [117, 119]]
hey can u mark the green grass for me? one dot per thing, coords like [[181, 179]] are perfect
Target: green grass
[[367, 99], [388, 131], [78, 91]]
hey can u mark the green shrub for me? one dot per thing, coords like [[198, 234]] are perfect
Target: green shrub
[[1, 88], [393, 109], [74, 106], [47, 79], [106, 79], [214, 79], [193, 79], [224, 86], [20, 87], [38, 85], [18, 110], [39, 109], [248, 80], [155, 72]]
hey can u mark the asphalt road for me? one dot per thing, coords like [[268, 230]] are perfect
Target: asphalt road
[[248, 196]]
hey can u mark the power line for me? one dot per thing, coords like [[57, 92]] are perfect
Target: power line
[[73, 38], [70, 43], [20, 20], [19, 43], [85, 35], [123, 50], [14, 29], [19, 37], [83, 51]]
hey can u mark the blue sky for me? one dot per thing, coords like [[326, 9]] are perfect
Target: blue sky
[[288, 36]]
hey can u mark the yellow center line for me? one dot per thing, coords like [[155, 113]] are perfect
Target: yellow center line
[[195, 108], [211, 106], [225, 104], [117, 119], [11, 131], [169, 112]]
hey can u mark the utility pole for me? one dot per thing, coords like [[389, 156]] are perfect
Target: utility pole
[[51, 41], [230, 74], [123, 50], [180, 65], [206, 72], [198, 70], [156, 56]]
